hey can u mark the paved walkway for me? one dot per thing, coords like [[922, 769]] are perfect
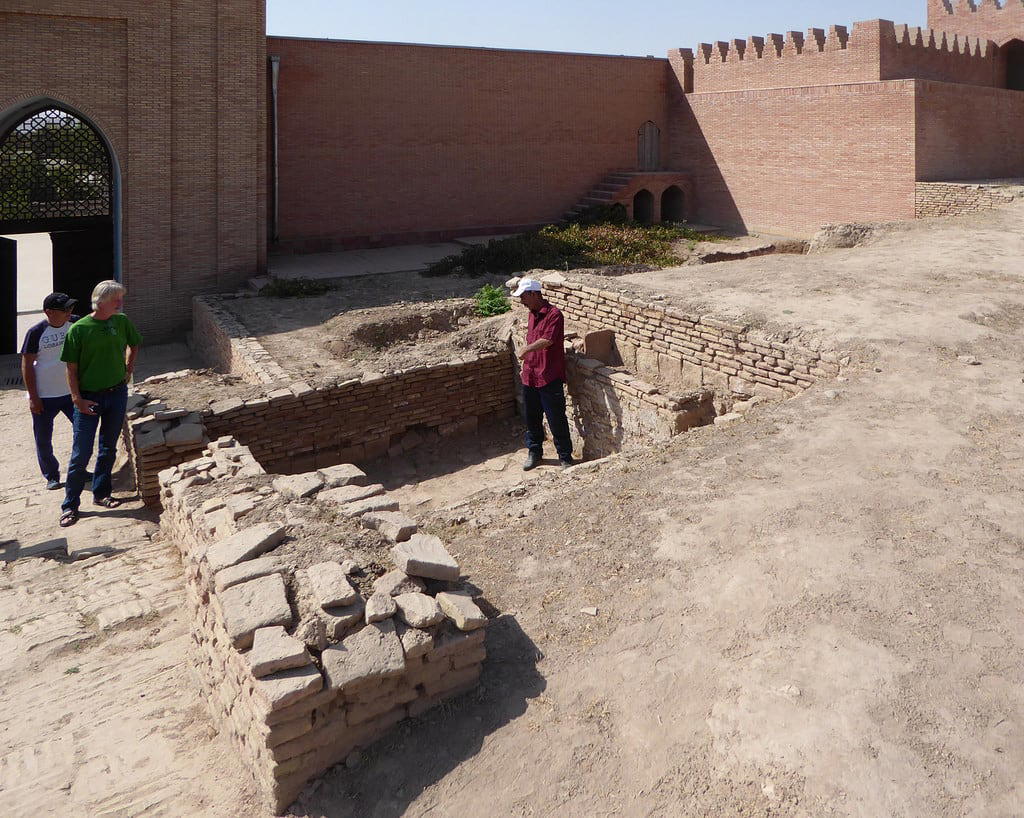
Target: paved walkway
[[409, 258], [100, 716]]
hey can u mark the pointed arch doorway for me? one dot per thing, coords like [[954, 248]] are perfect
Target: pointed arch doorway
[[59, 202]]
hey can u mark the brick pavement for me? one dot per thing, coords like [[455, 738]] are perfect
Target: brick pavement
[[100, 714]]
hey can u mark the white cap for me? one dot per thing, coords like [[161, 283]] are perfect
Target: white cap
[[527, 285]]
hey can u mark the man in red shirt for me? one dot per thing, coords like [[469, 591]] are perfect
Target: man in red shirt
[[543, 373]]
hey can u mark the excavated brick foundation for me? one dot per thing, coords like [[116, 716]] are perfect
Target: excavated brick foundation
[[303, 659]]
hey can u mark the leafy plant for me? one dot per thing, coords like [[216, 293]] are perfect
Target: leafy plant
[[491, 301], [295, 288], [573, 245]]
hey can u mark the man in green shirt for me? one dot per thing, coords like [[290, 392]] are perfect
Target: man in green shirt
[[99, 351]]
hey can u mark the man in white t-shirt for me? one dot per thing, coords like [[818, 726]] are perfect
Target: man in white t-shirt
[[46, 379]]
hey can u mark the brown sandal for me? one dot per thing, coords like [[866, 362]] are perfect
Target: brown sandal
[[107, 502], [68, 518]]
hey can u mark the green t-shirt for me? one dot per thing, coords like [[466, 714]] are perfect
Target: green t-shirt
[[98, 349]]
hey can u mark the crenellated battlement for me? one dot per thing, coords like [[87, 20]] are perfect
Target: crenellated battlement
[[875, 50], [987, 19]]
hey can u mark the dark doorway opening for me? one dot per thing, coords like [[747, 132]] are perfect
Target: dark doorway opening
[[643, 207], [649, 147], [673, 205], [1014, 65], [57, 180]]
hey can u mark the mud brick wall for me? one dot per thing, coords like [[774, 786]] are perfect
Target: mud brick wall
[[157, 436], [611, 410], [294, 699], [299, 428], [664, 342], [952, 199], [221, 342]]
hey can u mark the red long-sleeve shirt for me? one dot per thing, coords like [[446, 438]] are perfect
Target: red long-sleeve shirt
[[544, 366]]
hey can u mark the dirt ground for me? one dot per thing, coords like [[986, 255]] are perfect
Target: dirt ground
[[818, 611]]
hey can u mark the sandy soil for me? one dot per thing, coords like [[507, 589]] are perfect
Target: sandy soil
[[816, 612]]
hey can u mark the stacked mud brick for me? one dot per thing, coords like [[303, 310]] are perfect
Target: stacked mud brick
[[300, 668], [954, 198], [297, 428], [157, 436], [221, 342], [612, 410], [665, 342]]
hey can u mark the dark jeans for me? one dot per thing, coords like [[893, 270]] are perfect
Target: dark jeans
[[547, 401], [109, 417], [42, 429]]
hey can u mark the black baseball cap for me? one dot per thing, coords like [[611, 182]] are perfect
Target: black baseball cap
[[59, 301]]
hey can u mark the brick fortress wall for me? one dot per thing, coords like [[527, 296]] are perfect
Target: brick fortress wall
[[178, 90], [385, 143], [301, 663], [953, 199], [979, 18]]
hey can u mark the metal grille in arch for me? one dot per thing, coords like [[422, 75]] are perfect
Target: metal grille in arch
[[53, 166]]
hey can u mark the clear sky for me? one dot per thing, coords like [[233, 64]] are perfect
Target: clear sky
[[598, 26]]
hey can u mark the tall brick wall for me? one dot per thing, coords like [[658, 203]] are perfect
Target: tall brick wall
[[788, 160], [387, 143], [968, 133], [875, 50], [178, 90], [979, 18]]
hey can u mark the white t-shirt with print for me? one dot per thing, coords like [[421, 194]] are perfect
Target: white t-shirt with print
[[45, 342]]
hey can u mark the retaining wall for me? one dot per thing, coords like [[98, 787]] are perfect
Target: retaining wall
[[294, 682], [665, 342], [955, 198]]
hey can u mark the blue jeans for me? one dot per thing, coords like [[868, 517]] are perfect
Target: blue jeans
[[42, 430], [547, 401], [110, 408]]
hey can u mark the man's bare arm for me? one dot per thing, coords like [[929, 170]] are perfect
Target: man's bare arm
[[540, 343], [28, 375], [130, 360]]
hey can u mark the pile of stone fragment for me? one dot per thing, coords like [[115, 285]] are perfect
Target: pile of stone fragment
[[301, 666]]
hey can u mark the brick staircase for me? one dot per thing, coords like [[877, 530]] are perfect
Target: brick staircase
[[607, 192]]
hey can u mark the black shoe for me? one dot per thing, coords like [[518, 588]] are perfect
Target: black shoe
[[53, 485], [532, 461], [567, 462]]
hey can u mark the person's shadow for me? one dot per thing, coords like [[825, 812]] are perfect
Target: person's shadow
[[420, 752]]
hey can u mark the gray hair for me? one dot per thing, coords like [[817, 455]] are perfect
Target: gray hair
[[104, 291]]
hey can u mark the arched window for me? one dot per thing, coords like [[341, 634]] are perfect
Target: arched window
[[58, 207], [673, 205], [649, 147], [1014, 51], [643, 207]]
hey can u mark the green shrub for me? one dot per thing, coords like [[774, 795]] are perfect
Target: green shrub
[[574, 245], [295, 288], [491, 301]]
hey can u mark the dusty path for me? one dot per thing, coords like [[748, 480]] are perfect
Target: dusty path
[[100, 716], [817, 612]]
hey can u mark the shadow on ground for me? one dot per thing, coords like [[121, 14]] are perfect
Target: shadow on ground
[[419, 753]]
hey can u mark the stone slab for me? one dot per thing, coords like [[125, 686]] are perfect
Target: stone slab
[[380, 607], [397, 582], [344, 474], [424, 555], [419, 610], [246, 544], [343, 495], [462, 610], [258, 603], [415, 642], [375, 652], [273, 650], [361, 507], [244, 571], [184, 434], [287, 687], [392, 525], [297, 486], [330, 585]]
